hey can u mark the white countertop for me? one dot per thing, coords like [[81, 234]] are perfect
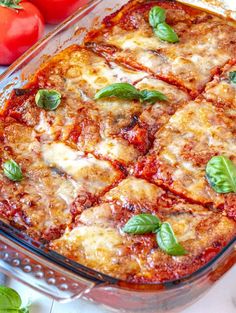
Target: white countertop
[[220, 299]]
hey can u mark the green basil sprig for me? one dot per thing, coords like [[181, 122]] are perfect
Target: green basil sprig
[[119, 90], [152, 96], [165, 32], [221, 174], [129, 92], [48, 100], [157, 15], [142, 224], [167, 241], [10, 301], [148, 223], [12, 171], [232, 77]]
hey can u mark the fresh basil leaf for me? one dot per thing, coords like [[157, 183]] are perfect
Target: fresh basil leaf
[[48, 100], [221, 174], [166, 33], [9, 300], [142, 224], [12, 171], [11, 311], [157, 15], [232, 77], [119, 90], [167, 241], [152, 96], [129, 92]]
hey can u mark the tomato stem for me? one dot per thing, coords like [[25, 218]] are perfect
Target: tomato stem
[[13, 4]]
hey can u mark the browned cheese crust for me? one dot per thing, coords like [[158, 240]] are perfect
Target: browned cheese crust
[[89, 166]]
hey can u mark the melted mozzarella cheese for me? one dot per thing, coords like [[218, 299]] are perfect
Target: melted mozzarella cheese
[[223, 90], [134, 191], [96, 243], [207, 132], [63, 157], [91, 173], [117, 149], [68, 191], [202, 47], [91, 73]]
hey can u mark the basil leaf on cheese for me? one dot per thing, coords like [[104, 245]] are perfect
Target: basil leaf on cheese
[[167, 241], [119, 90], [166, 33], [142, 224], [221, 174], [12, 171], [147, 223], [48, 100], [157, 15], [232, 77], [129, 92], [152, 96]]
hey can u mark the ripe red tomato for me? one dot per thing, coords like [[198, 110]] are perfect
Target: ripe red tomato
[[20, 28], [55, 11]]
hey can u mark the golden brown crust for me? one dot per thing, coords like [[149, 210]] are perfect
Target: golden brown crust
[[95, 126], [206, 43], [90, 166], [98, 241], [222, 91], [182, 149]]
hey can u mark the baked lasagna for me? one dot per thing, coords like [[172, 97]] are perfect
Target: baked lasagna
[[120, 153]]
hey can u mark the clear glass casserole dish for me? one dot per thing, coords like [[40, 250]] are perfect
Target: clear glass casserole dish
[[62, 279]]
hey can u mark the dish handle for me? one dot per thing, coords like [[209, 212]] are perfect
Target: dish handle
[[49, 279]]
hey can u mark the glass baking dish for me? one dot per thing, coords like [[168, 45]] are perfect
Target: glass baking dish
[[54, 275]]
